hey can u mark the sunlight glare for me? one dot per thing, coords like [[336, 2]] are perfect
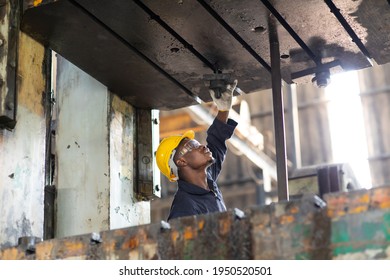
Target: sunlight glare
[[347, 126]]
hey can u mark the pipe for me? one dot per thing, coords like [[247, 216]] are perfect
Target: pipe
[[277, 98], [294, 125]]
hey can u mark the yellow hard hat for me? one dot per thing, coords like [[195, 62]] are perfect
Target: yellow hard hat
[[166, 151]]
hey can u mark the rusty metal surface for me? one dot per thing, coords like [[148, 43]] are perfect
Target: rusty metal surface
[[9, 17], [358, 201], [154, 53], [296, 229], [349, 227]]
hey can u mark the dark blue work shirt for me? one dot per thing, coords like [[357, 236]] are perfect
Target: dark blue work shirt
[[191, 199]]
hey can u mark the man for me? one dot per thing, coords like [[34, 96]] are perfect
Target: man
[[196, 167]]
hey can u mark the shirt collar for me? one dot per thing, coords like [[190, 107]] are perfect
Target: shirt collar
[[194, 189]]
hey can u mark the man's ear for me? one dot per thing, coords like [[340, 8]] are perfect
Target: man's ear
[[181, 162]]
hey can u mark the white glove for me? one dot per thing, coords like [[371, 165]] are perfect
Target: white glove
[[225, 102]]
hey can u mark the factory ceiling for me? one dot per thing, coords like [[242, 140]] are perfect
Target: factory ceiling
[[154, 54]]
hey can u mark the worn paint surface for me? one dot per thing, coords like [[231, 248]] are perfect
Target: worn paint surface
[[5, 26], [22, 152], [125, 210], [261, 234], [82, 152], [95, 150], [360, 223], [290, 230], [340, 204], [216, 236]]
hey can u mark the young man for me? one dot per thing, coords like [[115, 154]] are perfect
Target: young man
[[196, 167]]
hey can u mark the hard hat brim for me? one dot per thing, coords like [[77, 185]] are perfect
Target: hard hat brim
[[188, 134]]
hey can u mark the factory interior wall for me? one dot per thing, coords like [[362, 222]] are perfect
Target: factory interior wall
[[22, 150], [81, 146], [91, 146], [374, 86], [95, 156]]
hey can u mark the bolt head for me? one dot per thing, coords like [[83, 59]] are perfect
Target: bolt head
[[321, 79]]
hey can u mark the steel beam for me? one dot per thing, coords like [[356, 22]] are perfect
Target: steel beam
[[186, 44], [234, 34], [134, 49], [146, 186], [291, 31], [349, 30]]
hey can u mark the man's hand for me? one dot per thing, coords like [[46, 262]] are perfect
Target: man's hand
[[224, 103]]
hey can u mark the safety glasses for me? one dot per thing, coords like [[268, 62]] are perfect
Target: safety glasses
[[189, 146]]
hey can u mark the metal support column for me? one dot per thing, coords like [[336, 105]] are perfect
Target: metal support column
[[146, 188], [293, 121], [278, 111]]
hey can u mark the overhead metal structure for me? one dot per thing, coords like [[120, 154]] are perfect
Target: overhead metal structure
[[154, 54]]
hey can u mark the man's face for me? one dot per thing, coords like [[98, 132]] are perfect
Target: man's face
[[195, 154]]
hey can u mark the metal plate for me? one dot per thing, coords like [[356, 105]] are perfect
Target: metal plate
[[84, 42], [126, 47]]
